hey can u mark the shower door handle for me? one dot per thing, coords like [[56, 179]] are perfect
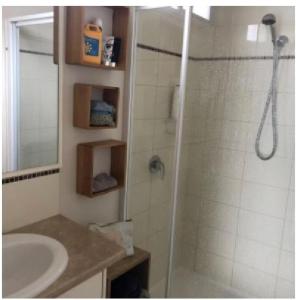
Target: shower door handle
[[156, 166]]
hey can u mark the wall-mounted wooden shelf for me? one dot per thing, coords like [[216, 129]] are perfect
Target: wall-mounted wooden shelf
[[83, 94], [116, 25], [85, 165]]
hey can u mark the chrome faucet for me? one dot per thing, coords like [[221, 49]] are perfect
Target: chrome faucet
[[156, 166]]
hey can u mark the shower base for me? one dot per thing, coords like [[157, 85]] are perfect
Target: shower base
[[189, 284]]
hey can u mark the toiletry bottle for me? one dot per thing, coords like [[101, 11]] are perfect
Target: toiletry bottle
[[108, 49], [111, 50], [92, 43]]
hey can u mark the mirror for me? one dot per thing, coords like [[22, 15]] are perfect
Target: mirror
[[30, 107]]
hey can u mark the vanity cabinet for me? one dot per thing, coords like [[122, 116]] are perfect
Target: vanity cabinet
[[94, 287]]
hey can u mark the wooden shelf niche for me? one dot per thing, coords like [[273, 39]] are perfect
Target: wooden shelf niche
[[115, 22], [84, 94], [112, 160], [138, 265]]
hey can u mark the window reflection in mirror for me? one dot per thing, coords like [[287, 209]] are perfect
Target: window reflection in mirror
[[30, 110]]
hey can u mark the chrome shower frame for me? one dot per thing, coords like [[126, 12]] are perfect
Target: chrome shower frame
[[178, 147], [180, 120]]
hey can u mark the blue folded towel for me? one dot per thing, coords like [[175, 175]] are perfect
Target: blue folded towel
[[102, 113], [102, 106]]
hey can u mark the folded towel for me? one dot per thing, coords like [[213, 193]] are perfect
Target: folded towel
[[102, 106], [103, 182], [102, 113], [102, 119]]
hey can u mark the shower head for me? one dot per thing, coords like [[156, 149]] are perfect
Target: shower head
[[269, 20]]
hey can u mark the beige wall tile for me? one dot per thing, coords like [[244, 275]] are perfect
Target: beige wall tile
[[29, 201]]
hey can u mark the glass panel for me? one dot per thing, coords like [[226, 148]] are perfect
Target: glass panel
[[158, 57]]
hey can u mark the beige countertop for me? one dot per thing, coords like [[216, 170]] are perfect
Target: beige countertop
[[89, 252]]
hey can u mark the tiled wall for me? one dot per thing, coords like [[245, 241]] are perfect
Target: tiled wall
[[238, 211], [235, 215], [28, 201], [149, 196]]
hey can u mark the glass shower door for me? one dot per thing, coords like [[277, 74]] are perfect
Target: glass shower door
[[153, 135]]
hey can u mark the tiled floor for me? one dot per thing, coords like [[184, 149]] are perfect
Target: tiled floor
[[188, 284]]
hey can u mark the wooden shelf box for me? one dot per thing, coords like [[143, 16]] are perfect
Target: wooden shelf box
[[85, 165], [138, 264], [83, 94], [115, 22]]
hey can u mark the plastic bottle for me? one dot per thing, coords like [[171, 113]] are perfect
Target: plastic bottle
[[93, 43]]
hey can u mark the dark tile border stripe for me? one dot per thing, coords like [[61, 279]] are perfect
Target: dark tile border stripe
[[146, 47], [29, 176], [219, 58], [228, 58]]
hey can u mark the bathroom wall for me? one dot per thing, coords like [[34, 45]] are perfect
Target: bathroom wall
[[31, 200], [105, 208], [28, 201], [149, 196], [153, 133], [60, 189], [238, 213], [199, 123]]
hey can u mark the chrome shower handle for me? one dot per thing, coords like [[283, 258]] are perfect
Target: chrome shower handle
[[156, 166]]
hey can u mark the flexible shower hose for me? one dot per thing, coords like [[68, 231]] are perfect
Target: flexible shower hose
[[271, 98]]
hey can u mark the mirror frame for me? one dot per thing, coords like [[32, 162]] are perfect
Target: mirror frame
[[58, 46]]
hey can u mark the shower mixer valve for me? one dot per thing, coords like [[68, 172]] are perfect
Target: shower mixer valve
[[156, 166]]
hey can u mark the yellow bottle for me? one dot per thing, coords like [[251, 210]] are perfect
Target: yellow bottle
[[92, 44]]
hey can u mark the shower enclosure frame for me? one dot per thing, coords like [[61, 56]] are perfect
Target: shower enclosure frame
[[179, 126]]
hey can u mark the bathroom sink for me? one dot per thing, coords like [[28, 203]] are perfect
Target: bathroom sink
[[30, 263]]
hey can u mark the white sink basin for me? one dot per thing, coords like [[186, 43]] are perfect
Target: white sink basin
[[31, 263]]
